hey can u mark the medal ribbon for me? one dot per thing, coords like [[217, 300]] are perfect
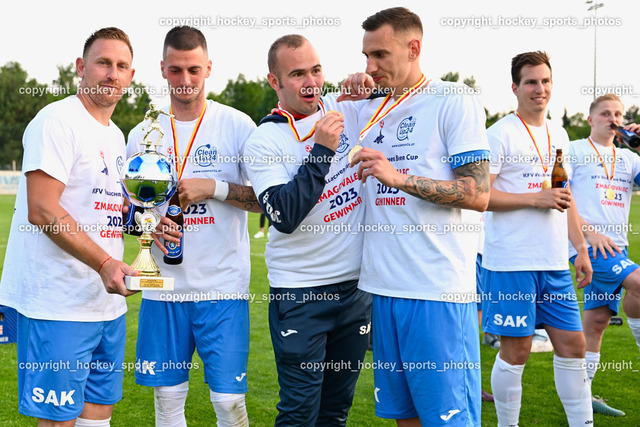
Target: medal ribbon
[[377, 116], [292, 122], [613, 163], [180, 165], [544, 167]]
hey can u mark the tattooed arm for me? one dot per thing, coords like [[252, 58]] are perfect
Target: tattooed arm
[[195, 189], [469, 191], [243, 197], [43, 199]]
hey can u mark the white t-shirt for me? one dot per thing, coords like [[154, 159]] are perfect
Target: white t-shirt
[[326, 248], [417, 249], [525, 239], [589, 184], [39, 279], [216, 263], [474, 222]]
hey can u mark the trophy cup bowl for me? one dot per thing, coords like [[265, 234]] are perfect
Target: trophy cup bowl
[[149, 180]]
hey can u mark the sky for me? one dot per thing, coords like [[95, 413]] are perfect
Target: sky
[[474, 38]]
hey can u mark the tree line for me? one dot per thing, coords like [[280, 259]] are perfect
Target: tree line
[[21, 98]]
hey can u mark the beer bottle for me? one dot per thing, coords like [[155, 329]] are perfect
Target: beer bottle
[[628, 137], [174, 213], [559, 175]]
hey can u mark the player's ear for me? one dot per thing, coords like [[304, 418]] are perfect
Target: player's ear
[[415, 47], [273, 81], [209, 68], [80, 67]]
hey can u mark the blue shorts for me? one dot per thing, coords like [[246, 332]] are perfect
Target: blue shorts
[[521, 301], [605, 288], [63, 364], [422, 369], [169, 333]]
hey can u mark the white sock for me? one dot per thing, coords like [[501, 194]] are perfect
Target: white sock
[[573, 389], [634, 324], [83, 422], [593, 361], [169, 402], [506, 384], [230, 409]]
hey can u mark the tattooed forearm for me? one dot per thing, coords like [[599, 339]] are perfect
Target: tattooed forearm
[[469, 191], [451, 193], [243, 197], [479, 171]]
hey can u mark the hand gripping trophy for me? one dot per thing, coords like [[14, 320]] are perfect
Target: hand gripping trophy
[[149, 181]]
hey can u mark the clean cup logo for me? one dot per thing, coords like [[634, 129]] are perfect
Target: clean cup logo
[[205, 155], [405, 128]]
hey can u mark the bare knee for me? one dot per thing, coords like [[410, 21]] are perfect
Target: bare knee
[[596, 320], [569, 344], [515, 350]]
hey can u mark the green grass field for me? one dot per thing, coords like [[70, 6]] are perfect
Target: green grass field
[[540, 404]]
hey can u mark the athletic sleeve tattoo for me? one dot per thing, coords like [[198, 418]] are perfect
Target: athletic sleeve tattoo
[[473, 181]]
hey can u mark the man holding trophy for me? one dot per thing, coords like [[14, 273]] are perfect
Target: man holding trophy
[[209, 307], [64, 276]]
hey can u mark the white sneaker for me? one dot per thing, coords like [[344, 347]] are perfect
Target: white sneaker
[[541, 342], [258, 235]]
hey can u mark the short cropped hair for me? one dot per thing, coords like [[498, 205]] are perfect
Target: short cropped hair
[[292, 41], [606, 97], [109, 33], [527, 58], [401, 20], [184, 38]]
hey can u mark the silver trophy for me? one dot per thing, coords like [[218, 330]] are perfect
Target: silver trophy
[[149, 181]]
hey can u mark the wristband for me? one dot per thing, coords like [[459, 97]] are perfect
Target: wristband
[[100, 268], [222, 190]]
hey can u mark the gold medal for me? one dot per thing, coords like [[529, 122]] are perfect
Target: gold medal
[[353, 151], [546, 184], [610, 193]]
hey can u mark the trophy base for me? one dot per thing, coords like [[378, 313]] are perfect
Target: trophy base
[[142, 283]]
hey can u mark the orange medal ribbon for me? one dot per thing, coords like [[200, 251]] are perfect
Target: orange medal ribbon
[[544, 167], [613, 168], [180, 165], [546, 183], [292, 122], [377, 116]]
